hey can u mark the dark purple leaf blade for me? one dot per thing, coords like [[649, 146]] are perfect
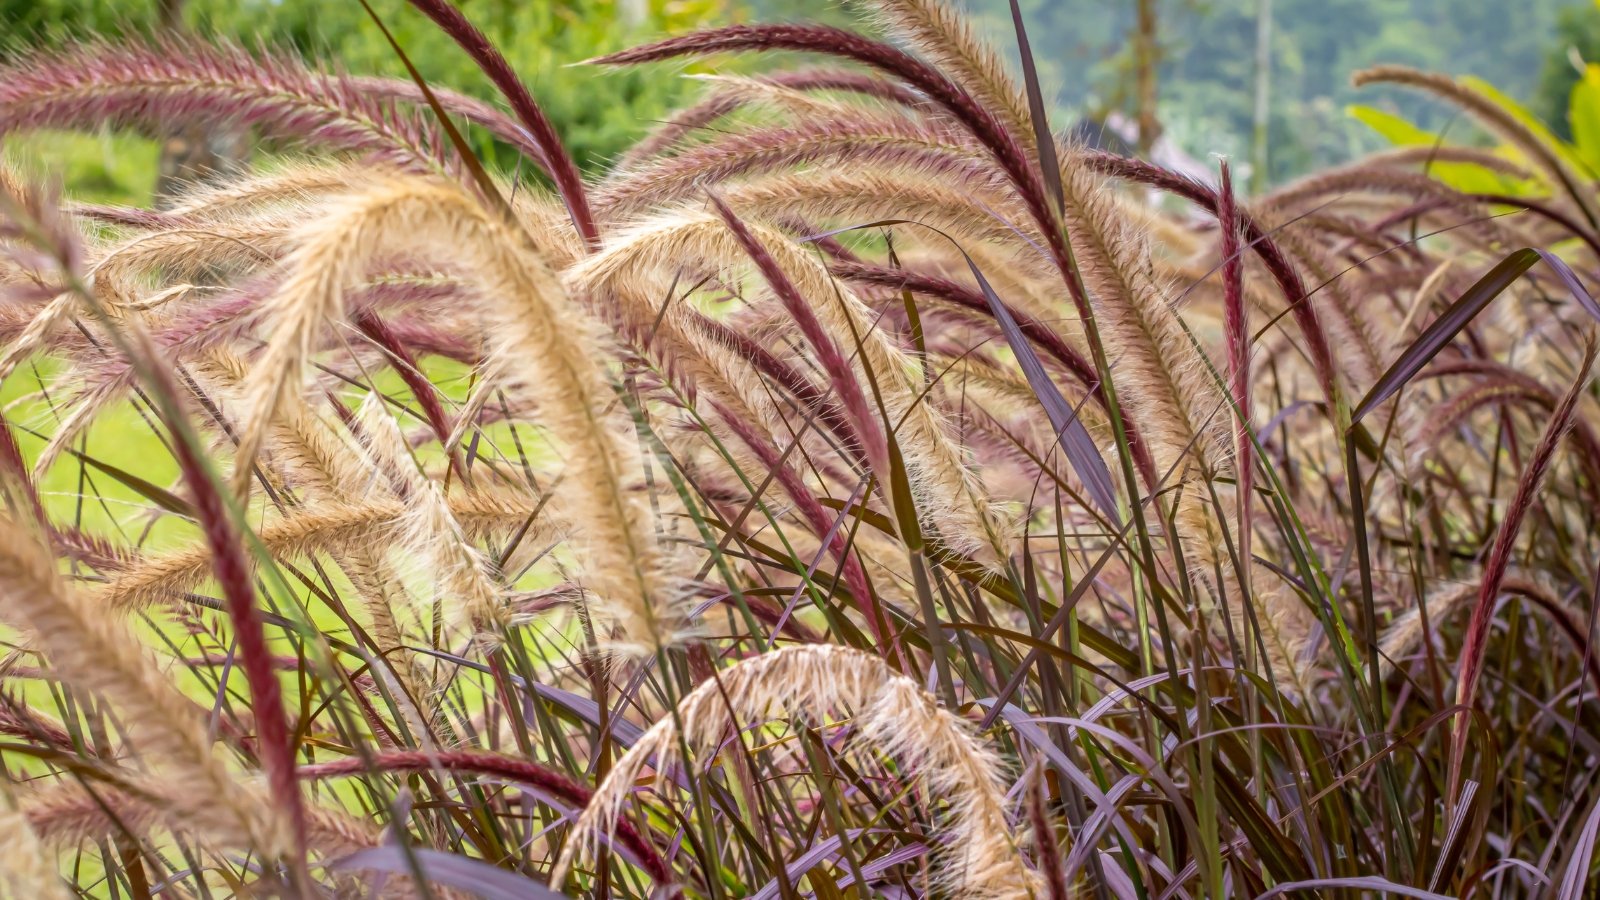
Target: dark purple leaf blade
[[1049, 167], [622, 731], [1075, 440], [1362, 883], [1079, 447], [1472, 301], [818, 853]]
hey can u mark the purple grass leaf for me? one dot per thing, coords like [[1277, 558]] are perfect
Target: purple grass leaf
[[1075, 440], [1044, 141], [1494, 570], [1466, 307], [827, 849], [1361, 883], [549, 781], [868, 430]]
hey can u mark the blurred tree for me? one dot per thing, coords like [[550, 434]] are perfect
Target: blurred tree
[[1577, 43], [199, 150], [1208, 72]]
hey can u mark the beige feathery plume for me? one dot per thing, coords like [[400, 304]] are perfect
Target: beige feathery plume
[[1383, 172], [971, 213], [1356, 333], [1159, 374], [331, 528], [722, 382], [378, 587], [330, 253], [818, 143], [36, 334], [723, 374], [988, 225], [315, 453], [641, 264], [1404, 635], [430, 530], [541, 339], [27, 869], [67, 814], [1307, 204], [190, 253], [1429, 155], [890, 714], [292, 184], [96, 651], [761, 94], [307, 454], [1161, 380], [38, 331], [1286, 629], [314, 460], [938, 32]]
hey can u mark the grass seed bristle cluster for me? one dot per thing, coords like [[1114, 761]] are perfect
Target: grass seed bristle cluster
[[96, 652], [886, 712]]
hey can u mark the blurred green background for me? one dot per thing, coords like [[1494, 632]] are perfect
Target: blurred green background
[[1189, 68]]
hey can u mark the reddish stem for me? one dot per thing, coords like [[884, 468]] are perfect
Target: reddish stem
[[557, 161], [549, 781]]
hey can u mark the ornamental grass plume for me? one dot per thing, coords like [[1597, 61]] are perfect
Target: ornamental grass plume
[[1492, 116], [888, 713], [936, 31], [98, 653], [536, 322], [25, 869], [332, 527], [175, 82], [629, 269]]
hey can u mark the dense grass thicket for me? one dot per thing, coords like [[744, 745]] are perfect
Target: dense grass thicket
[[855, 491]]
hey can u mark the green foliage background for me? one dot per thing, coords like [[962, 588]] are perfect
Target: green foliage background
[[1207, 69], [1208, 66]]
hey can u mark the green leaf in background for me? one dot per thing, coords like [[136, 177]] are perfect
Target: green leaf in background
[[1523, 115], [109, 167], [1391, 127], [1584, 115], [1463, 177]]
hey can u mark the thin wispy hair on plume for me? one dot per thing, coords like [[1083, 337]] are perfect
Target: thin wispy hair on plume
[[429, 528], [889, 713], [99, 653], [936, 30], [725, 98], [535, 321], [181, 81]]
